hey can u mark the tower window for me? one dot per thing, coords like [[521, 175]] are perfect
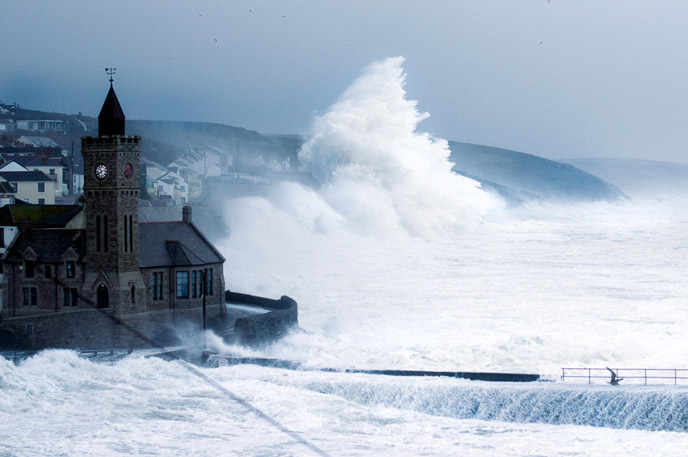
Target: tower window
[[105, 233], [133, 294], [97, 233], [48, 270], [131, 231], [126, 234]]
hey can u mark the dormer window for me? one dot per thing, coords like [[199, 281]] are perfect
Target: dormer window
[[71, 269]]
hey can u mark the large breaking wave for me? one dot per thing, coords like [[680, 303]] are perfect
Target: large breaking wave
[[378, 176]]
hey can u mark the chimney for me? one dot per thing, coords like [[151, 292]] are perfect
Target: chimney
[[186, 214]]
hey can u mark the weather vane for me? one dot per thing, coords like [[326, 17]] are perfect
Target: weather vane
[[110, 71]]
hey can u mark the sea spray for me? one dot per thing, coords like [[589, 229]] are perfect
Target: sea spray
[[378, 171], [378, 175]]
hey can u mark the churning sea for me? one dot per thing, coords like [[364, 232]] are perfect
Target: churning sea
[[534, 291], [397, 263]]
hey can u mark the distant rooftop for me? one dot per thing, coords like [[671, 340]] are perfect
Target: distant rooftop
[[24, 176], [35, 161], [48, 245], [40, 141], [174, 243], [47, 216]]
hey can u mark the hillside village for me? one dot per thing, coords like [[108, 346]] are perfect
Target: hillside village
[[41, 159], [42, 171]]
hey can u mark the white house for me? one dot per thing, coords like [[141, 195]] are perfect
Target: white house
[[41, 125], [173, 185], [31, 186], [50, 166], [6, 126]]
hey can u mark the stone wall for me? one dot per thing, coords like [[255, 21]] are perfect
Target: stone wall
[[100, 329], [264, 328], [91, 329]]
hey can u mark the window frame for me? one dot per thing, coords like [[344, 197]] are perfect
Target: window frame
[[29, 269], [70, 269], [182, 284]]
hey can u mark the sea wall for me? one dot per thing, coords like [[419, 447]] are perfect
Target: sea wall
[[101, 329], [258, 329], [91, 329]]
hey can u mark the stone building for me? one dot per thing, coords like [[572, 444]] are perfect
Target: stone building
[[112, 282]]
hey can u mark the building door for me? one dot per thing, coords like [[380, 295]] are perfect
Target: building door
[[103, 297]]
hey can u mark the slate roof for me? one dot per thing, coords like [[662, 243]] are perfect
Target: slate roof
[[22, 176], [49, 245], [165, 244], [46, 216], [11, 152], [36, 161], [41, 141]]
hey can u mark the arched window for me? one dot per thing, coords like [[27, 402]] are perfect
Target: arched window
[[133, 294]]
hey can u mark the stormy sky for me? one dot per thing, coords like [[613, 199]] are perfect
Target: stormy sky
[[559, 79]]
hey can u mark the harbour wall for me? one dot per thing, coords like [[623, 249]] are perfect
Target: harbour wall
[[258, 329]]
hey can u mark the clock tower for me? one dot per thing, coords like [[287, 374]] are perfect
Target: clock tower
[[111, 189]]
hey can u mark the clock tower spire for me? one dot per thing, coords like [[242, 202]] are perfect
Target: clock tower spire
[[111, 190]]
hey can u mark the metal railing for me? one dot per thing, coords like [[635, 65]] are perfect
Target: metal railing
[[629, 375]]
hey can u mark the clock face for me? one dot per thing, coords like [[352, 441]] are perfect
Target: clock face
[[101, 171], [128, 170]]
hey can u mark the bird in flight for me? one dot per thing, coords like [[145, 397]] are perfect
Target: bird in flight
[[615, 379]]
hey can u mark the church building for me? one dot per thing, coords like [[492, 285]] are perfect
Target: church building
[[87, 287]]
